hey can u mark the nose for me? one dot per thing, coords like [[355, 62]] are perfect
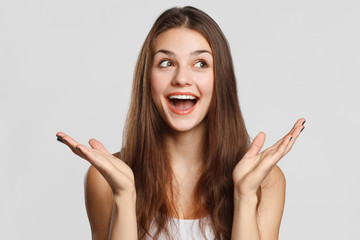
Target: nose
[[182, 77]]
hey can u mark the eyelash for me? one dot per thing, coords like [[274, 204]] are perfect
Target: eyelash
[[163, 61], [205, 65]]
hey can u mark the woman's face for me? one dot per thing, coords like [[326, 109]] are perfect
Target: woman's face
[[182, 78]]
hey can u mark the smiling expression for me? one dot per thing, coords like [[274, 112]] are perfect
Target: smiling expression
[[182, 78]]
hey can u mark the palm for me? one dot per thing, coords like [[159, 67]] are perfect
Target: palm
[[118, 174], [253, 168]]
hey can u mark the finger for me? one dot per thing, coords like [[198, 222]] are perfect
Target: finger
[[95, 144], [256, 145], [281, 151], [295, 135], [269, 159], [298, 123], [273, 155], [97, 160], [101, 162], [70, 142], [62, 137]]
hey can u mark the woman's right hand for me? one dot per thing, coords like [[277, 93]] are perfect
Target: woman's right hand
[[117, 173]]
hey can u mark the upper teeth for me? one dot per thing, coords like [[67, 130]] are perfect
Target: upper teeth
[[182, 97]]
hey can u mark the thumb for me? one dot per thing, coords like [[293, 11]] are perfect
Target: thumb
[[256, 145], [95, 144]]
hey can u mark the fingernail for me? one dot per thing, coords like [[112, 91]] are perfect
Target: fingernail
[[304, 122], [302, 129], [60, 139], [290, 139]]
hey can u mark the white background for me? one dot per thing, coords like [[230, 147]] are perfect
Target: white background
[[67, 66]]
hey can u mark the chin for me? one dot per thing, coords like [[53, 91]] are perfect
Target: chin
[[185, 126]]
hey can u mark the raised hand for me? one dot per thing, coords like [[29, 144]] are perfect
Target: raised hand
[[253, 168], [117, 173]]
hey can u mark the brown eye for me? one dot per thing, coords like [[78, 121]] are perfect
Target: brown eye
[[200, 64], [165, 63]]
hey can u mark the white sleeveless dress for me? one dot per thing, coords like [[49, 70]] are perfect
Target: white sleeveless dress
[[185, 229]]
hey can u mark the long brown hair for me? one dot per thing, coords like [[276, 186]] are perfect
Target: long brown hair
[[226, 139]]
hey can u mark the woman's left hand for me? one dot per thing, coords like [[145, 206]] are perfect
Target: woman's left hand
[[253, 168]]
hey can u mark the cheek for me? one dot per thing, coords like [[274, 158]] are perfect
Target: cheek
[[206, 85], [157, 87]]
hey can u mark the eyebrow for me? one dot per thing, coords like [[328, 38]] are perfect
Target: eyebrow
[[167, 52]]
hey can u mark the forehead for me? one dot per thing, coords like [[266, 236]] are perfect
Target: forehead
[[181, 40]]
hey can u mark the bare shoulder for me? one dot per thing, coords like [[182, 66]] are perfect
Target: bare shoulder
[[99, 202], [95, 182], [275, 179], [118, 154], [278, 173], [271, 204], [273, 188]]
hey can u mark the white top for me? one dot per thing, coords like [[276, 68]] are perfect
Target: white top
[[185, 229]]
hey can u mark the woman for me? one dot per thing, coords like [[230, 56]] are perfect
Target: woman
[[186, 152]]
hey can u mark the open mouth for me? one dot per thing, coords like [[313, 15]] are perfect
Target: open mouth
[[182, 104]]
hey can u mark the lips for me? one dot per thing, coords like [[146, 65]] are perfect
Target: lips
[[182, 103]]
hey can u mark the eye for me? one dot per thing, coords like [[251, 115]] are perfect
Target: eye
[[201, 64], [165, 63]]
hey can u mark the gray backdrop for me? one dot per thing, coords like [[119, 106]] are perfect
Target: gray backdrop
[[67, 66]]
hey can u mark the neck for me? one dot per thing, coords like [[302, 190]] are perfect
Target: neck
[[186, 148], [185, 151]]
